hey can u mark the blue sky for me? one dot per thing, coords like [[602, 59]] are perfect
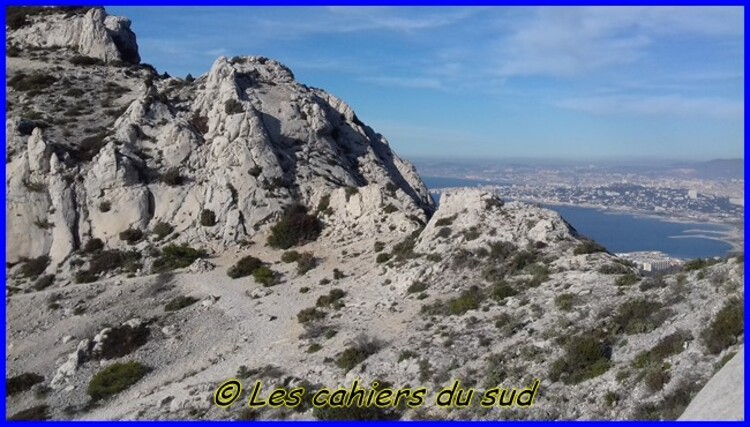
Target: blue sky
[[492, 82]]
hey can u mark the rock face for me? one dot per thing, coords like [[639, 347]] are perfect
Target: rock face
[[157, 196], [723, 397], [243, 141], [92, 34]]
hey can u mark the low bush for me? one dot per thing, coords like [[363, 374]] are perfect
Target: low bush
[[162, 230], [333, 299], [244, 267], [295, 227], [34, 267], [416, 287], [357, 353], [290, 256], [639, 316], [44, 282], [585, 357], [309, 315], [176, 256], [131, 235], [115, 378], [85, 61], [35, 413], [93, 246], [23, 382], [105, 206], [389, 208], [501, 290], [172, 177], [613, 268], [627, 280], [123, 340], [565, 301], [382, 257], [444, 232], [265, 276], [110, 260], [725, 328], [35, 82], [306, 262], [442, 222], [588, 247], [179, 303], [208, 218], [200, 123]]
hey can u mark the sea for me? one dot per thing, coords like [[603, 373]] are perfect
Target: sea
[[625, 232]]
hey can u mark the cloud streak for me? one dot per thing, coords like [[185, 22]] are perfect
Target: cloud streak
[[674, 105]]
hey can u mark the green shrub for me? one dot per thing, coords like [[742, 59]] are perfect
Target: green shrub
[[614, 268], [378, 246], [444, 232], [200, 123], [172, 177], [726, 327], [333, 299], [256, 170], [44, 282], [468, 300], [501, 290], [208, 218], [338, 274], [495, 371], [85, 61], [471, 234], [93, 246], [115, 378], [416, 287], [162, 230], [309, 315], [655, 282], [35, 413], [565, 301], [356, 354], [36, 82], [389, 208], [131, 235], [382, 257], [698, 264], [521, 260], [639, 316], [585, 357], [110, 260], [627, 280], [179, 303], [588, 247], [244, 267], [176, 256], [295, 227], [123, 340], [35, 266], [23, 382], [290, 256], [306, 262], [442, 222], [85, 276], [105, 206], [265, 276], [656, 377]]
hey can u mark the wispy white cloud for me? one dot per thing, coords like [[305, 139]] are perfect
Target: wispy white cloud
[[673, 105], [406, 82], [570, 42]]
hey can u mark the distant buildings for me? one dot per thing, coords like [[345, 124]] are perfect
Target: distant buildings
[[652, 262]]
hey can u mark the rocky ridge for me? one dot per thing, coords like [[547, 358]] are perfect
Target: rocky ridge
[[122, 173]]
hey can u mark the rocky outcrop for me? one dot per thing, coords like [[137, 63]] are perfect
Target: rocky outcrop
[[242, 142], [92, 34]]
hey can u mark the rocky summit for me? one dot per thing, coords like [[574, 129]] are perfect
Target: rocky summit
[[164, 235]]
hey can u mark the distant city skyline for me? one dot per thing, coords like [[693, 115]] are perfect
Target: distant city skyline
[[493, 82]]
